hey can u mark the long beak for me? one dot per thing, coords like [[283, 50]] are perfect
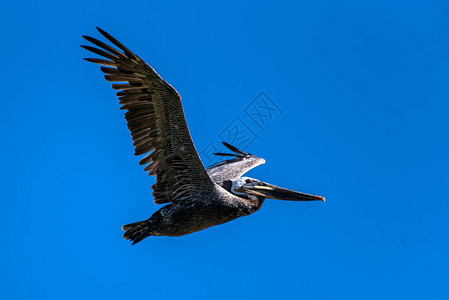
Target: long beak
[[270, 191]]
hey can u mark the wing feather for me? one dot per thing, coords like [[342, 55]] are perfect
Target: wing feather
[[233, 168]]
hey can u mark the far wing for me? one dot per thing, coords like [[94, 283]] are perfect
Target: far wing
[[233, 168]]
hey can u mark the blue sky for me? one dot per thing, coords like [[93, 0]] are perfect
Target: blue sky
[[363, 92]]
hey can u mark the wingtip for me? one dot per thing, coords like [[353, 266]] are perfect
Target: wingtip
[[224, 154], [234, 149], [104, 33], [89, 39]]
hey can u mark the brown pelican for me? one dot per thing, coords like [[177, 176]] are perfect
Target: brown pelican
[[197, 198]]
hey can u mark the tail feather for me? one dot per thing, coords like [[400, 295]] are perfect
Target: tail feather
[[136, 231]]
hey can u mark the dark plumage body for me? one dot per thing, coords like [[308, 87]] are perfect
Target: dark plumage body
[[197, 198], [185, 217]]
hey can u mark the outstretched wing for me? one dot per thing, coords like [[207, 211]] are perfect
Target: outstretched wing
[[156, 121], [233, 168]]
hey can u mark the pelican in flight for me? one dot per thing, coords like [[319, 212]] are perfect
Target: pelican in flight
[[195, 198]]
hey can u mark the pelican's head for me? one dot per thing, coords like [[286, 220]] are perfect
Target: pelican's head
[[250, 186]]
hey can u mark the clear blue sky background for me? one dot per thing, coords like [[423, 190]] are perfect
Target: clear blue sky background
[[364, 93]]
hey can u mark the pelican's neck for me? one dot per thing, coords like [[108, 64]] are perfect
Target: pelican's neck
[[254, 201]]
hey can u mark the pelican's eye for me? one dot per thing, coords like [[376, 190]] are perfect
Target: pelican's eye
[[248, 180]]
